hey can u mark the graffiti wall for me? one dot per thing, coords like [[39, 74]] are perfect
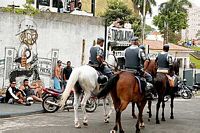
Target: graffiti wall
[[30, 46]]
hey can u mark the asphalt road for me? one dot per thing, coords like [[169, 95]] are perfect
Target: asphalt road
[[186, 112]]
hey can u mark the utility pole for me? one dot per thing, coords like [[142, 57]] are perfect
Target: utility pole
[[93, 7], [143, 25]]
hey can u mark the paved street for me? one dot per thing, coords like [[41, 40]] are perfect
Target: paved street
[[187, 120]]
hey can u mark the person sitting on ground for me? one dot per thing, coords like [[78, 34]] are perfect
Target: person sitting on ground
[[28, 90], [13, 94], [38, 88]]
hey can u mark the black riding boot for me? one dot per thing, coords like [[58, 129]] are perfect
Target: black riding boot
[[109, 75], [148, 91]]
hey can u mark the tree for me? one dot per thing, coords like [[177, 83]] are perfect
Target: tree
[[148, 29], [172, 17], [118, 9], [138, 4]]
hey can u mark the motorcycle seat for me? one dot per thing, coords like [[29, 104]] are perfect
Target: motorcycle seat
[[54, 90]]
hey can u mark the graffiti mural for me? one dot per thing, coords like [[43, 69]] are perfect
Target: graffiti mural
[[26, 58]]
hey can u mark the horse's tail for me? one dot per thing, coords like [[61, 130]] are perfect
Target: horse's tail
[[109, 86], [69, 87]]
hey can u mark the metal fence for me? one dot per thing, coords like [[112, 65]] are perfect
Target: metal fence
[[191, 75]]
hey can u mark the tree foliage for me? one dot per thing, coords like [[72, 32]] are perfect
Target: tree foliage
[[172, 17], [118, 9], [28, 9], [138, 4]]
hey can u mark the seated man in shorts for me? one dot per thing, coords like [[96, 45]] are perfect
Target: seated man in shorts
[[13, 94], [29, 91]]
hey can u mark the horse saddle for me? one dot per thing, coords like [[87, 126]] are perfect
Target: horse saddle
[[142, 83], [171, 80], [101, 77]]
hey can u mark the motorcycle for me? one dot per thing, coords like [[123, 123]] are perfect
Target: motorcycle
[[196, 86], [52, 96], [184, 91]]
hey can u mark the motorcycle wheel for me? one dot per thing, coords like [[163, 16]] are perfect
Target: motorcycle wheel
[[49, 108], [186, 94], [91, 105]]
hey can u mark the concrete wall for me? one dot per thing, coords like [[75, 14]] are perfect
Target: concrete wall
[[60, 31], [64, 32]]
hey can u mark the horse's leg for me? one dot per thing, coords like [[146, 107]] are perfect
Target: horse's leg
[[133, 110], [83, 104], [157, 109], [137, 126], [107, 115], [105, 111], [149, 107], [76, 105], [172, 106], [163, 110], [116, 105], [140, 118], [123, 106]]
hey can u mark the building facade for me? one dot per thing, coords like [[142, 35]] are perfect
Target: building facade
[[194, 23]]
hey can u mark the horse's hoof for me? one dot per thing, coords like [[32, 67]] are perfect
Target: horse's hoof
[[85, 124], [157, 122], [171, 117], [112, 131], [121, 131], [142, 125], [137, 131], [106, 120], [163, 119], [77, 125], [134, 116], [149, 119]]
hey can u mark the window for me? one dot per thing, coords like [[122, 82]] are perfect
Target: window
[[55, 3], [45, 2]]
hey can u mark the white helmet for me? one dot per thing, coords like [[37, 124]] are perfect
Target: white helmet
[[30, 100]]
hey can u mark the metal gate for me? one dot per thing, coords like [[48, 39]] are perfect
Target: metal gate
[[188, 75]]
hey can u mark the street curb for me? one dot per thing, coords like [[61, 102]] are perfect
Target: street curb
[[22, 114]]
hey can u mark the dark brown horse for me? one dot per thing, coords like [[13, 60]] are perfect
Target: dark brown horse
[[151, 68], [124, 88], [163, 88], [161, 85]]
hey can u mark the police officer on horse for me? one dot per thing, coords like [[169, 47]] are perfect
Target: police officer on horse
[[96, 59], [134, 61], [164, 60]]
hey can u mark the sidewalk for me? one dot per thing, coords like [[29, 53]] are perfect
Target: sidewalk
[[11, 110]]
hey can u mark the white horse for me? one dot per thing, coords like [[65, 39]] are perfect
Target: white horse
[[87, 77]]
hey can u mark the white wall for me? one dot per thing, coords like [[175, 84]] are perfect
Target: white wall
[[60, 31], [64, 32]]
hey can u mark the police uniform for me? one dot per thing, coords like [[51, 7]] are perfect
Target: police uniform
[[164, 61], [134, 56], [98, 51]]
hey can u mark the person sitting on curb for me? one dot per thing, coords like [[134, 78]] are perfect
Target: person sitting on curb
[[13, 94], [38, 88], [28, 91]]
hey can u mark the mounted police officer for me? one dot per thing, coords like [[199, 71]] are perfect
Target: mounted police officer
[[164, 60], [97, 58], [134, 61]]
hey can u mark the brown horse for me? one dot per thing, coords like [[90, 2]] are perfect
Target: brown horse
[[124, 88], [151, 68], [163, 88], [161, 85]]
